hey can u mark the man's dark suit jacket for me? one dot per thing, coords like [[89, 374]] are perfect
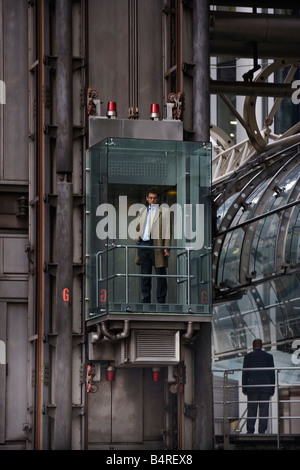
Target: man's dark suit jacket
[[256, 359]]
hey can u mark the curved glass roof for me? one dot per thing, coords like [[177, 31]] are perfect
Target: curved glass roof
[[256, 255]]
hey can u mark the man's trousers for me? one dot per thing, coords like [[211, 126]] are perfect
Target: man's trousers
[[147, 262], [258, 401]]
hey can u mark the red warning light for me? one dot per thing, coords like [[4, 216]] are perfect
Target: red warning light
[[154, 110], [155, 374], [110, 374], [111, 109]]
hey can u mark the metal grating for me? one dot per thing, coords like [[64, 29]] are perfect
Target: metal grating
[[152, 345], [156, 346], [155, 308], [141, 169]]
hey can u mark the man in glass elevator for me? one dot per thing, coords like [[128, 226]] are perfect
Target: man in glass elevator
[[153, 230]]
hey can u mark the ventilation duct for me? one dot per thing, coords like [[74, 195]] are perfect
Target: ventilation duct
[[147, 347]]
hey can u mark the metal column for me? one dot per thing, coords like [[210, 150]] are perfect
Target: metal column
[[62, 438], [201, 126], [64, 88], [201, 98], [64, 339]]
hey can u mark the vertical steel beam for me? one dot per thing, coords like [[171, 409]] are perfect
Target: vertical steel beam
[[3, 341], [201, 98], [64, 89], [64, 347], [62, 438], [201, 126], [204, 439]]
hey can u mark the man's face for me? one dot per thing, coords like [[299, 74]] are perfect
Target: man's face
[[152, 198]]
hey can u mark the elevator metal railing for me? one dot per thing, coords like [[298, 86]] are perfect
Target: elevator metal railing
[[184, 277], [229, 400]]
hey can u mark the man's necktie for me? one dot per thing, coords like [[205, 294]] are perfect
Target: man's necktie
[[150, 222]]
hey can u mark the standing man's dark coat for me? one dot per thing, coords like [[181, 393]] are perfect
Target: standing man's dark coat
[[258, 385]]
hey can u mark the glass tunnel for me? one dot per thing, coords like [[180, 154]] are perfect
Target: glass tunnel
[[119, 172], [256, 259]]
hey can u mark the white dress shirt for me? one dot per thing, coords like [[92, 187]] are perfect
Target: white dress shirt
[[153, 207]]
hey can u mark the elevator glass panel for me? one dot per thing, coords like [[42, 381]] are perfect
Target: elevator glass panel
[[119, 172]]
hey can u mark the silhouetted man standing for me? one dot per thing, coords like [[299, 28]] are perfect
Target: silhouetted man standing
[[258, 385]]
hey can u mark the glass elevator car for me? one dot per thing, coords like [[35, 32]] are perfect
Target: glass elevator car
[[119, 172]]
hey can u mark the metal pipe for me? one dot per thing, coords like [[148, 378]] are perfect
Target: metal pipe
[[113, 337], [225, 412], [132, 59], [258, 3], [248, 27], [235, 34], [278, 409], [277, 90], [126, 277], [189, 331], [98, 335], [259, 217], [266, 50], [179, 45], [40, 222]]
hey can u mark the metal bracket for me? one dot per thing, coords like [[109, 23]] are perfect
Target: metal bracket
[[50, 338], [50, 199], [22, 207], [78, 410], [190, 411], [49, 410], [78, 339], [188, 69], [27, 428], [78, 131], [78, 269], [50, 130], [50, 61], [78, 200], [78, 63], [50, 268]]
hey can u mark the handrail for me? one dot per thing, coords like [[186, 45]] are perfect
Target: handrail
[[241, 418], [186, 278]]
